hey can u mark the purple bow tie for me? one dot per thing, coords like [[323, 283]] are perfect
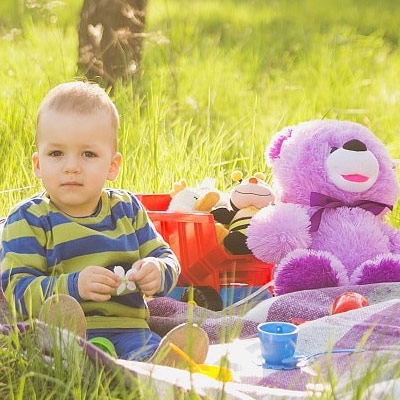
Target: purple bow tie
[[323, 201]]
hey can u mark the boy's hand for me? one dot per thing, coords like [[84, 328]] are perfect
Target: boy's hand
[[96, 283], [147, 275]]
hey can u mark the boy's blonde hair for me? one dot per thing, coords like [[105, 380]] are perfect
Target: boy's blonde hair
[[82, 98]]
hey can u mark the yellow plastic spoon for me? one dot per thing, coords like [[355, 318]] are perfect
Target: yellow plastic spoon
[[213, 371]]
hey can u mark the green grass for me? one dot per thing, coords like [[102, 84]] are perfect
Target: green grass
[[26, 374], [219, 78]]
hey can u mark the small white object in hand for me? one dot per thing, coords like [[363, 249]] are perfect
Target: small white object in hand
[[124, 282]]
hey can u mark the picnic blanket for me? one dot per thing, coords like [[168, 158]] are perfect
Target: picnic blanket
[[374, 329], [233, 333]]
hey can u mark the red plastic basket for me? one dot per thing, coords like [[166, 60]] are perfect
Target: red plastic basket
[[193, 238]]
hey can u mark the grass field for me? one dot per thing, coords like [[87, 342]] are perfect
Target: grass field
[[218, 79]]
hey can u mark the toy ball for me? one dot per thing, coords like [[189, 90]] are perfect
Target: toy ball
[[348, 301]]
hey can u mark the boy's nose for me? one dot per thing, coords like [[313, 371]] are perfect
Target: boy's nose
[[71, 165]]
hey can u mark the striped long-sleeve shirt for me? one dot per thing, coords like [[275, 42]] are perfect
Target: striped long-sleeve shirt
[[43, 251]]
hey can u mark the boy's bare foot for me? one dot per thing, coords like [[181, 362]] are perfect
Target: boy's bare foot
[[190, 338], [64, 312], [64, 320]]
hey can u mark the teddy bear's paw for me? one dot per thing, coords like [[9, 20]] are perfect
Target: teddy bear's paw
[[304, 269], [277, 230], [383, 268]]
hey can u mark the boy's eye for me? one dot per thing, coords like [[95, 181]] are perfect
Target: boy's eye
[[89, 154], [55, 153]]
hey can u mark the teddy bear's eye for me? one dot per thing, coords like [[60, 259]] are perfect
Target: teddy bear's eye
[[333, 149]]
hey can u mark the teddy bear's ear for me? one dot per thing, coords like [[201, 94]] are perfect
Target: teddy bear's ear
[[274, 148]]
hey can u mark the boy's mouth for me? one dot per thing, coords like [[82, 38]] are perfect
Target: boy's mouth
[[72, 184]]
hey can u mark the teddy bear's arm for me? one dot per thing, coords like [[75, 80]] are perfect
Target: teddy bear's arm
[[277, 230], [394, 238]]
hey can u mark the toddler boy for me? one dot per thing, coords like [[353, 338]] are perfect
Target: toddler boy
[[69, 239]]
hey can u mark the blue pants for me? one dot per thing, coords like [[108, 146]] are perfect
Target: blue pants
[[130, 344]]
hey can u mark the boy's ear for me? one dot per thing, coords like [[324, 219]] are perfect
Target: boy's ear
[[36, 165], [114, 167]]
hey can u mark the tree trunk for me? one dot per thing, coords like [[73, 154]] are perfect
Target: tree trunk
[[110, 38]]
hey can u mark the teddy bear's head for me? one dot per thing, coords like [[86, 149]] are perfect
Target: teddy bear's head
[[340, 159]]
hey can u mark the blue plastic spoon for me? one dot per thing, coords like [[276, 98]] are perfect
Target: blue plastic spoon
[[302, 358]]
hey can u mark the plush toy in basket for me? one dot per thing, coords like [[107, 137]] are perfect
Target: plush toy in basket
[[335, 182], [246, 199], [201, 198]]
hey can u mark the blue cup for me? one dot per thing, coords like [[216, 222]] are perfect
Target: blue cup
[[278, 341]]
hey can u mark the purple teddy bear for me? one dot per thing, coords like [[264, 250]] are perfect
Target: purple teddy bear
[[335, 182]]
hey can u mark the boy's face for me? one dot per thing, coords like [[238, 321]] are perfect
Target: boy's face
[[76, 155]]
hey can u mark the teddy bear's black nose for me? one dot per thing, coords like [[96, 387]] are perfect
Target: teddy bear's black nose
[[355, 145]]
